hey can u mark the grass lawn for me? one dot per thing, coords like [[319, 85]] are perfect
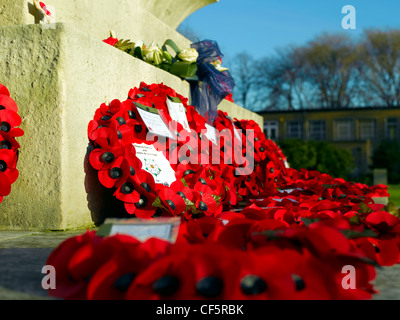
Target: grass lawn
[[394, 191]]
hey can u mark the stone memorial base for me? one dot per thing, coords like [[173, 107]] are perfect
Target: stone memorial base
[[59, 76]]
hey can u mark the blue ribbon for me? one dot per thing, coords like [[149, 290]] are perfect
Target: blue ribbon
[[213, 85]]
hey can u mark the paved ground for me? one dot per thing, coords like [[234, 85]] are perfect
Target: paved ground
[[23, 254]]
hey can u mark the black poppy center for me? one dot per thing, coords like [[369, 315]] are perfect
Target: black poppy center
[[180, 193], [105, 118], [142, 202], [145, 186], [203, 181], [203, 206], [116, 173], [252, 285], [171, 204], [5, 145], [127, 188], [138, 128], [123, 282], [166, 286], [132, 170], [2, 107], [121, 121], [3, 166], [210, 287], [187, 172], [5, 126], [262, 149], [108, 157], [299, 282], [131, 115]]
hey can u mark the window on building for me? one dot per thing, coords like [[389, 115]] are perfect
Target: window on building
[[317, 130], [344, 129], [367, 129], [271, 129], [295, 129], [391, 128]]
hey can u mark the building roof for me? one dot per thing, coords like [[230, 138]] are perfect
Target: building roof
[[329, 110]]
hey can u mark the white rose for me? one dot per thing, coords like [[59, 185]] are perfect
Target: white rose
[[188, 55], [153, 54]]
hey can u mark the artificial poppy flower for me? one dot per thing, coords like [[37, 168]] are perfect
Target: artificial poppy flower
[[6, 102], [8, 162], [129, 258], [382, 221], [111, 41], [172, 201], [8, 121], [67, 287], [4, 90]]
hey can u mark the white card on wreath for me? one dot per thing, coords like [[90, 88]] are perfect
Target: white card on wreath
[[236, 132], [153, 121], [177, 112], [211, 133], [155, 163], [161, 228]]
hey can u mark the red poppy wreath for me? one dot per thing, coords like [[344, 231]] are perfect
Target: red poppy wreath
[[186, 168], [9, 121]]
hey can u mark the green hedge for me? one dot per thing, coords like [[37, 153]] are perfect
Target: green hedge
[[318, 155], [387, 156]]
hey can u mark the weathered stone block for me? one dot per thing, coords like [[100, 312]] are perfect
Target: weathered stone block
[[130, 19]]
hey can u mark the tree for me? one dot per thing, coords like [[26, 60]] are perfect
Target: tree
[[282, 76], [380, 54], [243, 70], [332, 66]]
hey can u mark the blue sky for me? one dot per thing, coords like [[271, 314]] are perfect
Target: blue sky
[[261, 26]]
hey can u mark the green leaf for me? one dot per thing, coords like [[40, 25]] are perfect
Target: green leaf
[[350, 234], [171, 44], [158, 203], [167, 56], [308, 221], [392, 209], [355, 220], [184, 69], [124, 45], [363, 208], [137, 53]]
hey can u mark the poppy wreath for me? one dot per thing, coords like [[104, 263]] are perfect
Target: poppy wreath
[[9, 121], [207, 182]]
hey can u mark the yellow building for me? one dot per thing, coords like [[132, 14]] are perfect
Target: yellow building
[[359, 130]]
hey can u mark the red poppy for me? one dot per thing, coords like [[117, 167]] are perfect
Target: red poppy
[[43, 6], [129, 258], [68, 287], [6, 102], [8, 162], [4, 90], [111, 41]]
